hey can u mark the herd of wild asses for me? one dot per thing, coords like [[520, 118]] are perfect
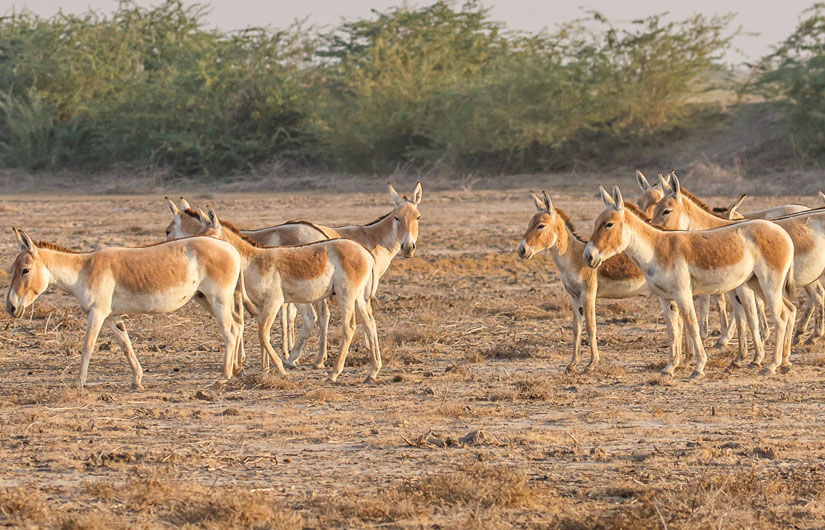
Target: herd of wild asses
[[669, 244]]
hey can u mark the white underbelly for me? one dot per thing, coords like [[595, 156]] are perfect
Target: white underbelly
[[705, 281], [620, 288], [165, 301], [308, 291]]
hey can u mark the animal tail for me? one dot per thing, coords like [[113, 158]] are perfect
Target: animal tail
[[247, 303], [790, 287]]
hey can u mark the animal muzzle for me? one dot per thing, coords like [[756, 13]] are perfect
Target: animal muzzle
[[408, 249], [591, 257], [16, 311], [524, 252]]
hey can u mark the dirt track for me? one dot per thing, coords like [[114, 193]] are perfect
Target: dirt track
[[473, 339]]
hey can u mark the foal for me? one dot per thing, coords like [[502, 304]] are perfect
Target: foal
[[677, 265], [550, 229], [112, 281]]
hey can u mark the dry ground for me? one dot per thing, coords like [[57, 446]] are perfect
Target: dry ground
[[473, 421]]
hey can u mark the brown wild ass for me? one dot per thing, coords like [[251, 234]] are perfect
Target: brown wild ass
[[550, 229], [302, 274], [680, 211], [114, 281], [677, 265], [393, 233]]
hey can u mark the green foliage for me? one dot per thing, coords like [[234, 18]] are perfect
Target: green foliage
[[406, 86], [795, 74]]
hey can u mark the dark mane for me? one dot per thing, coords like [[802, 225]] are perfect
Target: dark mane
[[380, 218], [54, 246], [569, 225], [635, 209], [306, 223]]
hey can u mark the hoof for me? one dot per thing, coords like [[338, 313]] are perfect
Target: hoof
[[721, 344], [697, 376], [290, 365], [769, 370], [137, 386], [755, 365], [319, 366], [590, 368], [571, 369], [785, 368], [333, 378], [667, 373], [734, 365], [222, 381], [370, 380]]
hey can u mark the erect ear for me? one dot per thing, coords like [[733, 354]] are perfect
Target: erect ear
[[608, 200], [203, 215], [664, 183], [735, 205], [173, 206], [417, 193], [397, 199], [213, 218], [549, 203], [25, 242], [617, 197], [677, 188], [184, 204], [641, 180], [540, 206], [822, 196]]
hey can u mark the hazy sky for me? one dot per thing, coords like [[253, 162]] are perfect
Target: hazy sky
[[773, 21]]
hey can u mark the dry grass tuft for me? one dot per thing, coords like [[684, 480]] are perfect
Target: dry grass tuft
[[322, 395], [522, 349], [262, 381]]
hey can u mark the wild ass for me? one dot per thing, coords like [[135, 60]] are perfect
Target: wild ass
[[550, 229], [301, 274], [651, 195], [731, 212], [677, 265], [113, 281], [679, 211], [393, 233]]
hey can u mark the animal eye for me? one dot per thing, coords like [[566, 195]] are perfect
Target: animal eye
[[417, 218], [666, 212], [26, 271], [609, 225], [396, 218], [541, 226]]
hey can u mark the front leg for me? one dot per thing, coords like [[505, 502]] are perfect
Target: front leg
[[578, 313], [684, 301], [93, 325], [265, 320], [674, 329], [589, 305], [703, 310]]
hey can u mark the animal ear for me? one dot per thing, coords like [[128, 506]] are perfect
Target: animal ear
[[397, 199], [617, 197], [203, 215], [822, 196], [549, 203], [540, 206], [735, 205], [417, 193], [173, 206], [25, 242], [184, 204], [664, 183], [213, 218], [677, 188], [608, 200], [641, 180]]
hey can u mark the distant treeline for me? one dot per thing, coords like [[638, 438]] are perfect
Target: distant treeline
[[440, 85]]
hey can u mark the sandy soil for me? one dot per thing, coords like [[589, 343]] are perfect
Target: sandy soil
[[473, 421]]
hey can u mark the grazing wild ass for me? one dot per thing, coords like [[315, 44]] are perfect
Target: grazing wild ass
[[393, 233], [114, 281], [678, 264], [550, 229], [302, 274]]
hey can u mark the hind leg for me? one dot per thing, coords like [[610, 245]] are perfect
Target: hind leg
[[741, 322], [790, 318], [308, 320], [673, 321], [366, 318], [222, 309], [323, 323], [347, 332], [749, 301], [265, 320], [115, 323], [578, 311], [703, 311]]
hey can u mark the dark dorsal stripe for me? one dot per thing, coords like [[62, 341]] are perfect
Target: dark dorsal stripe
[[569, 225]]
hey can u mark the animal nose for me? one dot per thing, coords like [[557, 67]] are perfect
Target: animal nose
[[10, 309], [521, 251]]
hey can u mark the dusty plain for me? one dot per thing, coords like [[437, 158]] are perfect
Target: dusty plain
[[473, 423]]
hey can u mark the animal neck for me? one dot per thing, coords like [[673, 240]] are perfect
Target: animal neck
[[244, 248], [64, 267], [378, 237], [699, 218], [643, 239]]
